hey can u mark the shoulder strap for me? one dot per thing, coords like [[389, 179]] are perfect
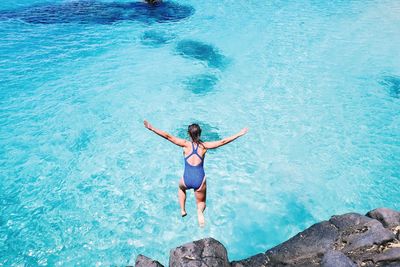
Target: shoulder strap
[[191, 153], [194, 151]]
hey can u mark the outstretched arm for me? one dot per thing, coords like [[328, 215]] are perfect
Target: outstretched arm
[[215, 144], [177, 141]]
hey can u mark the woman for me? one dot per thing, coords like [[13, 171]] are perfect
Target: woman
[[194, 152]]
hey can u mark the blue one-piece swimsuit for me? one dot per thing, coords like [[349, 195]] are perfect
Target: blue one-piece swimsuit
[[193, 175]]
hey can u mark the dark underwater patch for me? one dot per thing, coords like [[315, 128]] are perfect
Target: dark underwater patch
[[155, 38], [208, 132], [93, 12], [201, 84], [82, 141], [202, 51], [299, 213], [392, 83]]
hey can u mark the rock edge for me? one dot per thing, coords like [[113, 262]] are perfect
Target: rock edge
[[346, 240]]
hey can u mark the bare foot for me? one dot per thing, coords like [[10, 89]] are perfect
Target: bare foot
[[200, 216], [183, 213]]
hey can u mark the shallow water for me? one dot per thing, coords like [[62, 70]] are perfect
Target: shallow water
[[81, 180]]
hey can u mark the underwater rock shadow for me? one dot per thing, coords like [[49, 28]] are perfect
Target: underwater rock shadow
[[203, 52], [154, 38], [94, 12], [393, 85], [201, 84], [82, 141]]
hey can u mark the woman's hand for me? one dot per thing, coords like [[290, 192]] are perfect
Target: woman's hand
[[243, 131], [147, 125]]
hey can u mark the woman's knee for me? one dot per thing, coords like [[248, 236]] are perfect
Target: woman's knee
[[201, 205]]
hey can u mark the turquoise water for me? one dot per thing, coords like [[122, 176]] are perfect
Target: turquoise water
[[83, 183]]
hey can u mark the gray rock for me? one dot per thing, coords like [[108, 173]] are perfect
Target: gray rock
[[202, 253], [342, 222], [389, 255], [391, 264], [364, 235], [143, 261], [256, 260], [346, 240], [334, 258], [305, 248], [389, 218]]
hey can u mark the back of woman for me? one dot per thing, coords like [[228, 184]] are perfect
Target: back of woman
[[194, 151]]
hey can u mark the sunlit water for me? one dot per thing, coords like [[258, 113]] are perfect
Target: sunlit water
[[82, 181]]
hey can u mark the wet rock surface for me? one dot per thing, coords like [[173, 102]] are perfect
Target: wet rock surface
[[347, 240]]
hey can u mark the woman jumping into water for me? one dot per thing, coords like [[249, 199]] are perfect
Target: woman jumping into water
[[194, 152]]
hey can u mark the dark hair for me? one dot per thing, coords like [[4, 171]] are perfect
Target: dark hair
[[194, 131]]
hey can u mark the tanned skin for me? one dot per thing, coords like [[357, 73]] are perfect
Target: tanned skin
[[200, 193]]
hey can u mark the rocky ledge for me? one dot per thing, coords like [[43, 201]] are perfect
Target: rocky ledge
[[345, 240]]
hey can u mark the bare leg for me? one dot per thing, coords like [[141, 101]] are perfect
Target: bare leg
[[200, 195], [182, 197]]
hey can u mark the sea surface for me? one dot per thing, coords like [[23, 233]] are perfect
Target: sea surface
[[82, 182]]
